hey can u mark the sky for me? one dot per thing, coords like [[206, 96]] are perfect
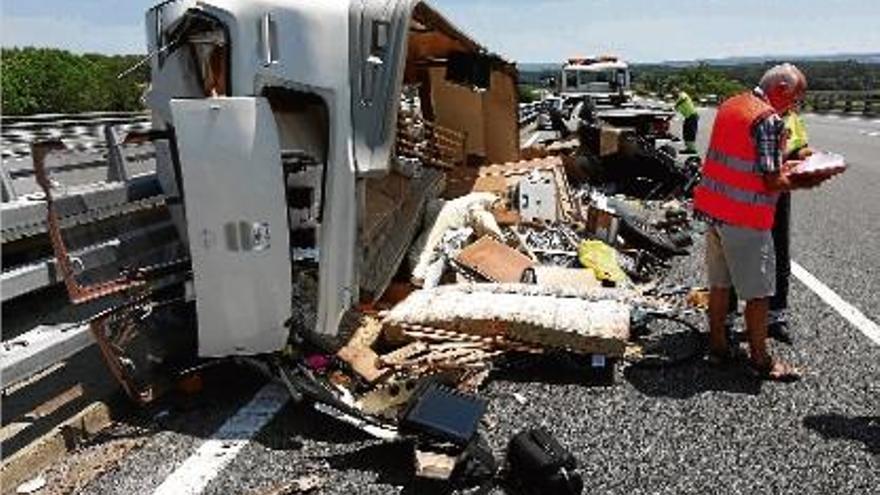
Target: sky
[[530, 30]]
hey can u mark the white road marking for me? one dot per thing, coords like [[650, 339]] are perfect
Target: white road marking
[[848, 311], [874, 133], [194, 474], [532, 140]]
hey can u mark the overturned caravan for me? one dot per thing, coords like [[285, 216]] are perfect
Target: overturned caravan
[[288, 133]]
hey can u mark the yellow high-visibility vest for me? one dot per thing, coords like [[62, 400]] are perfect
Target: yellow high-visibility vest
[[685, 105], [797, 133]]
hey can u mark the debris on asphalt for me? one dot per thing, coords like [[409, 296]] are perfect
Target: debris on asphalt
[[32, 486], [538, 463], [434, 465], [303, 484]]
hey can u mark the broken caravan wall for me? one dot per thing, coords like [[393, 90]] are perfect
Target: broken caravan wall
[[487, 116], [307, 59], [390, 203]]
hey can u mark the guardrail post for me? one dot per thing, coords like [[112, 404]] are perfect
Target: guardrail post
[[116, 163], [8, 190], [869, 105]]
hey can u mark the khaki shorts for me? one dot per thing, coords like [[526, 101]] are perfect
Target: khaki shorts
[[743, 258]]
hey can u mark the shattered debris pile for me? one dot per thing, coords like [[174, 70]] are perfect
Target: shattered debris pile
[[379, 243], [510, 259]]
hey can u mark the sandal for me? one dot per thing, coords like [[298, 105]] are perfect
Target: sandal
[[775, 371], [729, 355]]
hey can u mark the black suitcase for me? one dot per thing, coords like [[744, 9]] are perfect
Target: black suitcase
[[538, 464]]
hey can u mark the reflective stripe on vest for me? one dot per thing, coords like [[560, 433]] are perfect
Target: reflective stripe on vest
[[739, 194], [731, 190], [730, 161], [733, 212]]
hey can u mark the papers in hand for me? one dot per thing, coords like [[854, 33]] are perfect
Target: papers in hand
[[821, 163]]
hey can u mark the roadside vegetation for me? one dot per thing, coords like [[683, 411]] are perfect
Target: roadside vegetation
[[723, 80], [44, 80]]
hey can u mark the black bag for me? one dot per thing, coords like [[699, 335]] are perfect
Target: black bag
[[538, 464]]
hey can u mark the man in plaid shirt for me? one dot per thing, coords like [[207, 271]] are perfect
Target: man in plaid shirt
[[740, 249]]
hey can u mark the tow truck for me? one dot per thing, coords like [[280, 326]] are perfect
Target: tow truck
[[624, 144]]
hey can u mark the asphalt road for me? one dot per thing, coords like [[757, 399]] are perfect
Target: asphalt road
[[689, 429]]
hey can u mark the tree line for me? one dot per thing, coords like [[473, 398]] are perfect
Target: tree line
[[47, 80], [724, 80]]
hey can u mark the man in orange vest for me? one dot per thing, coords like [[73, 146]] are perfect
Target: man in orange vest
[[743, 175]]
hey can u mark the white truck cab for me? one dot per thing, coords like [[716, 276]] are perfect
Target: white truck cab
[[603, 78]]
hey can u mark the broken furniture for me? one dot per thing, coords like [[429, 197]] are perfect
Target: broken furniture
[[519, 312]]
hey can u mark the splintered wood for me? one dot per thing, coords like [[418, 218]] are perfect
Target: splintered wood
[[580, 325], [432, 144], [358, 353]]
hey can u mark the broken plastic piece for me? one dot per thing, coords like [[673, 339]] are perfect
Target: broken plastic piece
[[602, 259], [445, 413]]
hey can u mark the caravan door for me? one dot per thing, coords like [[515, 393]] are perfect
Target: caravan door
[[234, 194]]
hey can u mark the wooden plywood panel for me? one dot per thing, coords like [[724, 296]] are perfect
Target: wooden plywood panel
[[459, 108], [500, 119]]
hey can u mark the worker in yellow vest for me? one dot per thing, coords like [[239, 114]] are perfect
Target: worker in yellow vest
[[684, 105], [797, 143]]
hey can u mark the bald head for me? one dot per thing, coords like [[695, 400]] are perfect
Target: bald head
[[784, 85]]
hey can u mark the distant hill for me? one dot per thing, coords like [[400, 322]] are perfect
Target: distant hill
[[538, 67], [864, 58]]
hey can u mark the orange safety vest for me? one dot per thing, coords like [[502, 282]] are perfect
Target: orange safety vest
[[731, 190]]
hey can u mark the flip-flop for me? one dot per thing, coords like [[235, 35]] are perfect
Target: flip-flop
[[775, 371], [730, 355]]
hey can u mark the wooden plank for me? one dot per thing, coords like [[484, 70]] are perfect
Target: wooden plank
[[358, 352], [494, 261], [52, 447]]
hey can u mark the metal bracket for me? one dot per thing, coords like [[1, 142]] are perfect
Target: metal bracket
[[78, 293]]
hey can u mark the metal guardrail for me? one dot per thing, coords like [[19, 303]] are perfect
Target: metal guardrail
[[857, 102], [108, 191], [84, 131], [528, 112], [865, 103]]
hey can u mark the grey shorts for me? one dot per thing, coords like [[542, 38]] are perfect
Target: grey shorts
[[743, 258]]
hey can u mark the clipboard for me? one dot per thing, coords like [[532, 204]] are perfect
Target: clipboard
[[819, 164]]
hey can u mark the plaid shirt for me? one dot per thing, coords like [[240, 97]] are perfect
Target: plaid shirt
[[768, 134]]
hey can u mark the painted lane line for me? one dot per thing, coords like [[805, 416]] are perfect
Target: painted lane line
[[532, 140], [848, 311], [194, 474]]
